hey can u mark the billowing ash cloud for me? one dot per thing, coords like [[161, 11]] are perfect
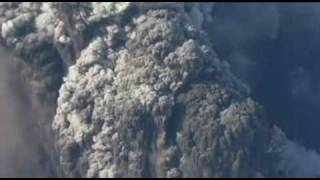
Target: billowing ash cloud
[[139, 91], [22, 32], [41, 65], [148, 97]]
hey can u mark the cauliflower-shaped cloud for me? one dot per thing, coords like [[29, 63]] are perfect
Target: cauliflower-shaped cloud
[[143, 94], [116, 114]]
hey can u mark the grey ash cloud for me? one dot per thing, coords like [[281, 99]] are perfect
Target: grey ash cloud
[[273, 47], [142, 90], [22, 153]]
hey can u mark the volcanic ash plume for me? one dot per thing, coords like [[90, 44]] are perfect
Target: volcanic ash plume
[[140, 92], [148, 97]]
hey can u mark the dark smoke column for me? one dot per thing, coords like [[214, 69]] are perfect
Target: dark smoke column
[[148, 97]]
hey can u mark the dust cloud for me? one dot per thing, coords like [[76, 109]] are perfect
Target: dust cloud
[[21, 151]]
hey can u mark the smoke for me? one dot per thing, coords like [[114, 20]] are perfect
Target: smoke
[[236, 31], [146, 95], [294, 160], [273, 47], [26, 32], [21, 152]]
